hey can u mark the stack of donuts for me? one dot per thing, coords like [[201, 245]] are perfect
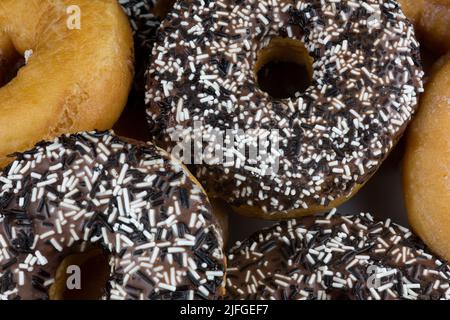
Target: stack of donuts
[[277, 110]]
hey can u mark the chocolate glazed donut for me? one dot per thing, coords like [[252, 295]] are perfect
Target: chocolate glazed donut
[[123, 211], [334, 256], [364, 64]]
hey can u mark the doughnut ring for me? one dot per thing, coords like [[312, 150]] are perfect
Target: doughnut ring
[[61, 88], [366, 76], [333, 256], [426, 169], [91, 197]]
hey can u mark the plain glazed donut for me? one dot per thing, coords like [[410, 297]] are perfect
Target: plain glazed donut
[[426, 170], [333, 257], [332, 137], [143, 21], [88, 196], [145, 17], [62, 87], [431, 18]]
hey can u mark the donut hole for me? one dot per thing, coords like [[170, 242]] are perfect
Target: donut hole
[[284, 68], [81, 276], [10, 63]]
